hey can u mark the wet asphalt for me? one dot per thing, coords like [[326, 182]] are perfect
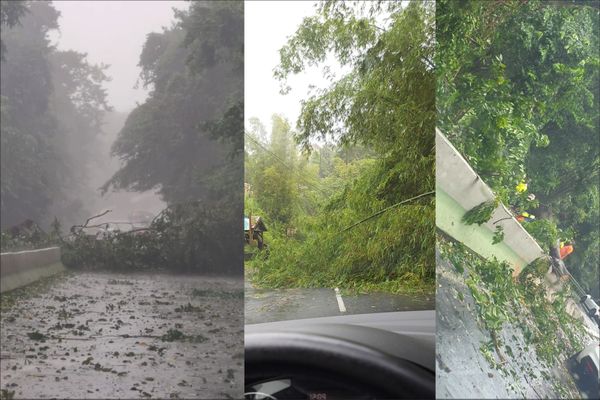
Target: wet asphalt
[[100, 335], [269, 305], [463, 372]]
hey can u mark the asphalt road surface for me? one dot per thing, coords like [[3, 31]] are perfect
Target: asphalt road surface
[[269, 305], [463, 372], [100, 335]]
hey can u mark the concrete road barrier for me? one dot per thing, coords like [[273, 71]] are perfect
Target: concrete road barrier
[[459, 189], [24, 267]]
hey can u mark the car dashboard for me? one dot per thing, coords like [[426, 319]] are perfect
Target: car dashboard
[[367, 356]]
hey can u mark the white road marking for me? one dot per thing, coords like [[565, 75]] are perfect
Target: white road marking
[[340, 302]]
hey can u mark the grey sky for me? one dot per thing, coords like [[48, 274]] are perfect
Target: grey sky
[[268, 24], [119, 41], [113, 32]]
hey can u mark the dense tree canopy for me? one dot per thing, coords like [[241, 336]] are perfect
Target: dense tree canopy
[[183, 137], [271, 170], [518, 86], [52, 107], [369, 137], [387, 100], [186, 139]]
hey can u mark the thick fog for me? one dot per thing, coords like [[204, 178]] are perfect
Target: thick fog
[[113, 33], [121, 175], [93, 63]]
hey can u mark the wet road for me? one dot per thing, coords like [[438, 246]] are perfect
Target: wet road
[[462, 371], [95, 335], [269, 305]]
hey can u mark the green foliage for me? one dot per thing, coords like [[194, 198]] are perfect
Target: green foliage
[[481, 213], [494, 108], [186, 139], [492, 289], [10, 14], [375, 125], [549, 320], [390, 252], [536, 269], [544, 231], [51, 112], [498, 234], [182, 238], [38, 337], [522, 303], [275, 171], [174, 335], [385, 102], [517, 94]]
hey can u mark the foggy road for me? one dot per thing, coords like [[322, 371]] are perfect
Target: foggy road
[[100, 335]]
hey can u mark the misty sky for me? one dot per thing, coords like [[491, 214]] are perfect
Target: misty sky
[[113, 32], [267, 26]]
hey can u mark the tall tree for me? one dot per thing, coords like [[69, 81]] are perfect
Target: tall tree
[[28, 128], [379, 112], [52, 102], [274, 180], [186, 139], [191, 125]]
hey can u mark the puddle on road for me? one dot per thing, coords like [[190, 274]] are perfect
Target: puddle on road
[[97, 335]]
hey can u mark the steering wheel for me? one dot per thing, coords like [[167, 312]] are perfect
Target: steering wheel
[[345, 361]]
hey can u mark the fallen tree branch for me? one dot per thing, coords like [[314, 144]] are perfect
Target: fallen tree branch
[[134, 231], [95, 216], [88, 221], [388, 208]]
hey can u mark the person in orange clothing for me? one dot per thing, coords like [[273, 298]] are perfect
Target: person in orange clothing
[[565, 250], [525, 217]]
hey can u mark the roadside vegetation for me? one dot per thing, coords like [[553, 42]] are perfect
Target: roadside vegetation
[[185, 141], [51, 112], [522, 303], [363, 145], [517, 94]]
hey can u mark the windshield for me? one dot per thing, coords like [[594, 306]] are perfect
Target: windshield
[[339, 207]]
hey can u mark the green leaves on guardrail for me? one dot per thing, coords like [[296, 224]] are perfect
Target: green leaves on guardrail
[[481, 213]]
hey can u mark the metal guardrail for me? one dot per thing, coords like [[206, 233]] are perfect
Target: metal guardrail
[[459, 189]]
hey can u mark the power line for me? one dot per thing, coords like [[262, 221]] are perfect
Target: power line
[[319, 189], [387, 209]]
